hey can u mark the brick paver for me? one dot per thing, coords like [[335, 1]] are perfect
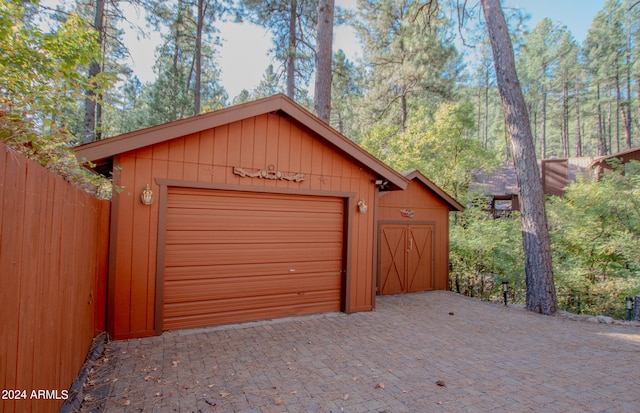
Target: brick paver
[[410, 355]]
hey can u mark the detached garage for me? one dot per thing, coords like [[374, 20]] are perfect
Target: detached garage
[[413, 242], [251, 212]]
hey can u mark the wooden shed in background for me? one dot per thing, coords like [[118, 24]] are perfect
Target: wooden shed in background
[[257, 211], [413, 241], [603, 165]]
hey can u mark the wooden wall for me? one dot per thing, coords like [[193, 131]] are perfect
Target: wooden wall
[[53, 256], [209, 156], [427, 207], [555, 176]]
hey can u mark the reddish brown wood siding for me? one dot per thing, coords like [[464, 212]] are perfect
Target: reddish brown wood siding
[[555, 176], [209, 156], [233, 256], [53, 249], [425, 209]]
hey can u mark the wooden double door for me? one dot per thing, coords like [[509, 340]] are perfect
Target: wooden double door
[[406, 258]]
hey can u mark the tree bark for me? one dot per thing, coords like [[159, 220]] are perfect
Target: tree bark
[[291, 53], [485, 141], [565, 117], [324, 58], [198, 59], [578, 126], [541, 294], [90, 101], [601, 126], [627, 113], [543, 139]]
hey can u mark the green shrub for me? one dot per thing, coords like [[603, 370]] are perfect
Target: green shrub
[[484, 253]]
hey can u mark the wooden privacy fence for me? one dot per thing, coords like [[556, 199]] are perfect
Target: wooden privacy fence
[[53, 263]]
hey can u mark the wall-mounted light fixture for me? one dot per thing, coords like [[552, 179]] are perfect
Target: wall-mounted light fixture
[[362, 207], [147, 196], [381, 183], [629, 305], [505, 290]]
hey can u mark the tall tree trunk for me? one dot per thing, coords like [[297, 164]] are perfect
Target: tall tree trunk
[[578, 126], [609, 130], [197, 58], [485, 142], [543, 138], [291, 53], [565, 118], [637, 123], [535, 126], [541, 294], [478, 114], [91, 101], [627, 115], [324, 58], [601, 126], [403, 109], [617, 108]]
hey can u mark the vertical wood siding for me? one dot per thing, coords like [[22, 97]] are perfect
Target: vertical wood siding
[[426, 207], [209, 156], [53, 256]]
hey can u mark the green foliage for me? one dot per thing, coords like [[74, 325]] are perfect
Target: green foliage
[[410, 59], [595, 240], [595, 230], [171, 96], [346, 92], [484, 253], [40, 83], [439, 146], [39, 72], [293, 49]]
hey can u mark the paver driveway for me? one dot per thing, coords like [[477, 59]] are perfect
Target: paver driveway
[[410, 355]]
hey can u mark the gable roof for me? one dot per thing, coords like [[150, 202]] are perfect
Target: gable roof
[[102, 152], [625, 156], [446, 198], [500, 182]]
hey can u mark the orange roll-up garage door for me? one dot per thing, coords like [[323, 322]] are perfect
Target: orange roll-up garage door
[[235, 256]]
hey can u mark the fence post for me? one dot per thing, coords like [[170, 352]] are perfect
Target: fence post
[[636, 308]]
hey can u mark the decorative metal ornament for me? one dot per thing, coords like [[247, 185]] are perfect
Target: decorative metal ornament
[[407, 213], [362, 207], [269, 173]]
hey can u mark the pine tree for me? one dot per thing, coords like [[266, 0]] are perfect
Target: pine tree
[[541, 294], [292, 24]]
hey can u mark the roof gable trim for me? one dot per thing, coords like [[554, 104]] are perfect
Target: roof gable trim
[[448, 199]]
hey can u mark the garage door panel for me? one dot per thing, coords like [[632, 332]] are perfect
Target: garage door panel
[[235, 237], [199, 220], [221, 306], [233, 256], [232, 314], [188, 255], [243, 270], [256, 286], [246, 202]]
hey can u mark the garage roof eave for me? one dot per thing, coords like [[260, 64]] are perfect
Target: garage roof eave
[[448, 199], [102, 152]]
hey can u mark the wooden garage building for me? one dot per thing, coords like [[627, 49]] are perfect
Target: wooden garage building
[[413, 241], [256, 211]]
